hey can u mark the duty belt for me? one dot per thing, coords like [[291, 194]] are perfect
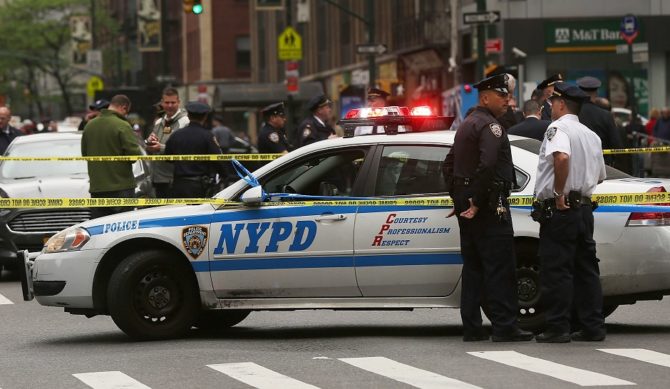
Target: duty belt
[[192, 178], [583, 201]]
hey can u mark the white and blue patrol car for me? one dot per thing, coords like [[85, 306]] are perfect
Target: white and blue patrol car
[[158, 272]]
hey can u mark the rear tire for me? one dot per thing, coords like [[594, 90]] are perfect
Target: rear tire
[[220, 319], [153, 295]]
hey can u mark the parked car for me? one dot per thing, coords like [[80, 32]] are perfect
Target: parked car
[[29, 228], [159, 271]]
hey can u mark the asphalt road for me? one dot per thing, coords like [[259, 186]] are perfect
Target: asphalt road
[[43, 347]]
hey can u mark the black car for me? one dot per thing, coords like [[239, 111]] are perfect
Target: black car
[[29, 228]]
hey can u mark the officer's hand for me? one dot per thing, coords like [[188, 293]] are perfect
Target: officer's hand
[[470, 212], [560, 203], [153, 147]]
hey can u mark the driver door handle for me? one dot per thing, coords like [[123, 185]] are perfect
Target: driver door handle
[[331, 217]]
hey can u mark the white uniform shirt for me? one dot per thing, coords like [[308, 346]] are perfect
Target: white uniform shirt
[[587, 166]]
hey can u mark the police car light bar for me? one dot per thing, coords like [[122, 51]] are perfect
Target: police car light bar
[[392, 120]]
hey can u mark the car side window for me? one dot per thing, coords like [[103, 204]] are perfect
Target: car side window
[[331, 174], [409, 170]]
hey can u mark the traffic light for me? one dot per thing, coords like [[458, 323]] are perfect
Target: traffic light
[[193, 6]]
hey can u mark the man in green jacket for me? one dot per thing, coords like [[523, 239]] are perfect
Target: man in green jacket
[[110, 134]]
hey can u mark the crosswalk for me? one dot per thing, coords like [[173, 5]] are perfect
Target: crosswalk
[[261, 377], [4, 300]]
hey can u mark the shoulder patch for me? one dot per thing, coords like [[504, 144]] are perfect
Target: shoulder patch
[[551, 131], [306, 132], [274, 137], [496, 129]]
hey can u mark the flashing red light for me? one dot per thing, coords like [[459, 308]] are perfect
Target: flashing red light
[[422, 111], [468, 88], [353, 114]]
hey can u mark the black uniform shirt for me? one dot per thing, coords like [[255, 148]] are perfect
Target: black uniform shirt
[[194, 139], [481, 153], [272, 140], [545, 111], [602, 123], [311, 130]]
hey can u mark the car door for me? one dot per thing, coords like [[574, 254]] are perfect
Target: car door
[[291, 251], [404, 250]]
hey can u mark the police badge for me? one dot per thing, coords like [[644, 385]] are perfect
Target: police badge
[[274, 137], [194, 239], [496, 129]]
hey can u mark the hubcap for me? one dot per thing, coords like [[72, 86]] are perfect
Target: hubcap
[[156, 297]]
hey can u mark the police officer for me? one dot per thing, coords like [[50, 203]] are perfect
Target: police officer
[[195, 179], [272, 138], [315, 127], [570, 166], [377, 97], [596, 118], [547, 87], [480, 172]]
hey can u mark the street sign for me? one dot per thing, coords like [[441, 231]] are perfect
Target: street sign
[[289, 45], [292, 74], [494, 45], [371, 48], [486, 17], [94, 84]]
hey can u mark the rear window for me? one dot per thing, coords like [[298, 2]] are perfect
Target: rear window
[[533, 145]]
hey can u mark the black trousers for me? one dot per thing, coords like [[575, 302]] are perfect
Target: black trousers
[[163, 189], [119, 194], [489, 269], [188, 188], [569, 271]]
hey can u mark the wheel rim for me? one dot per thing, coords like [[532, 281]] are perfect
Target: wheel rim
[[528, 290], [157, 297]]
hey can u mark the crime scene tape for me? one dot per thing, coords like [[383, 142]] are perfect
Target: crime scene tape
[[132, 158], [648, 198], [637, 150]]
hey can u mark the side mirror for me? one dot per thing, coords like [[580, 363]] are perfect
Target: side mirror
[[253, 196]]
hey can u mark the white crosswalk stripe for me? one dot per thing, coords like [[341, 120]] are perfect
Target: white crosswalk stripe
[[110, 380], [552, 369], [4, 300], [406, 374], [640, 354], [259, 376]]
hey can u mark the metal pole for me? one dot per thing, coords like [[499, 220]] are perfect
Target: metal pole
[[370, 12], [93, 42], [291, 128], [520, 81], [481, 37]]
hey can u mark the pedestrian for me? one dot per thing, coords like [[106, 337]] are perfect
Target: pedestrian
[[7, 132], [547, 87], [272, 137], [480, 172], [662, 127], [654, 114], [635, 136], [315, 126], [110, 134], [532, 126], [93, 112], [570, 166], [173, 118], [597, 119], [377, 97], [195, 179], [224, 136]]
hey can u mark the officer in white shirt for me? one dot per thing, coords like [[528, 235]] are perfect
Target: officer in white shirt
[[570, 166]]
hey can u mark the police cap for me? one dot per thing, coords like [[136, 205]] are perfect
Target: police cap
[[498, 83], [198, 108], [317, 102], [99, 105], [588, 83], [273, 109], [550, 81], [377, 93], [568, 91]]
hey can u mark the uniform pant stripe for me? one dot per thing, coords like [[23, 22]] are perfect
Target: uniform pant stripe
[[4, 300], [562, 372], [109, 380], [259, 376], [640, 354], [406, 374]]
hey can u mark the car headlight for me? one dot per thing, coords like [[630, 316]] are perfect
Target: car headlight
[[71, 239]]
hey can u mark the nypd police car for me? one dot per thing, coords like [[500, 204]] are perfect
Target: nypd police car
[[158, 272]]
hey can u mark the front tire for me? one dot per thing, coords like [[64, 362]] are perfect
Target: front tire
[[531, 316], [153, 295]]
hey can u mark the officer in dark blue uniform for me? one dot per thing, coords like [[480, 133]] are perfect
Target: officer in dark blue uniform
[[598, 119], [272, 138], [480, 172], [547, 87], [377, 97], [195, 179], [315, 127]]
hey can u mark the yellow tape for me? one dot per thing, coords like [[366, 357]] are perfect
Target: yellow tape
[[444, 201], [130, 158], [638, 150]]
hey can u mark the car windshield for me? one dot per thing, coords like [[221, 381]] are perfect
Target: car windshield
[[533, 145], [55, 148]]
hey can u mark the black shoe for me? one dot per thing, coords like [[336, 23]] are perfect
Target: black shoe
[[582, 336], [476, 336], [553, 337], [518, 335]]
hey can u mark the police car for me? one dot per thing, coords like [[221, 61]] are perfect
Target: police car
[[158, 272]]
